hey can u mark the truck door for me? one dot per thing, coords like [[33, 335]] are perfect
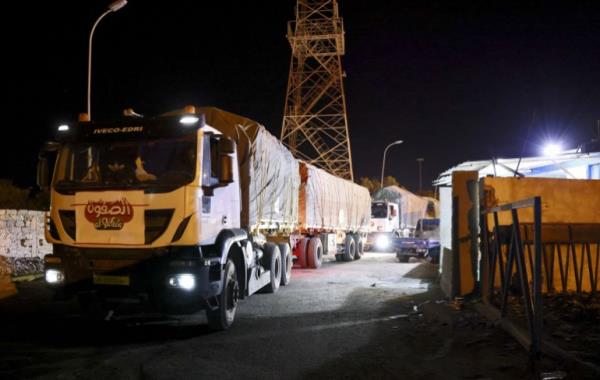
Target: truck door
[[220, 205]]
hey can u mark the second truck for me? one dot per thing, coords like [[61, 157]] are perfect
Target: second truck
[[194, 209]]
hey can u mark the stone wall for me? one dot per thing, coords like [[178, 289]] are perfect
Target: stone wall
[[22, 241]]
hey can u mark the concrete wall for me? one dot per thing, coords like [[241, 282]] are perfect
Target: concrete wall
[[446, 238], [459, 234], [22, 241], [564, 202]]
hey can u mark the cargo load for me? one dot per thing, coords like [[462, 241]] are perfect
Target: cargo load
[[330, 203], [269, 176]]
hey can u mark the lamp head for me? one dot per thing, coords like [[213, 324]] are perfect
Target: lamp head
[[116, 5]]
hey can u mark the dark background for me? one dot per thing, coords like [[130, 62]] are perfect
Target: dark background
[[456, 80]]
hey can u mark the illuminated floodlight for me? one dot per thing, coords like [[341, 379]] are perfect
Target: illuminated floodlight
[[63, 127], [552, 149]]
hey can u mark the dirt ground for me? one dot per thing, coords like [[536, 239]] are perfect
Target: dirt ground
[[372, 318]]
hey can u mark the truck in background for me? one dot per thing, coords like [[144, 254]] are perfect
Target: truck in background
[[191, 210], [395, 212]]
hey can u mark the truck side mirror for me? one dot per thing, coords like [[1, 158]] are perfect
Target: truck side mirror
[[42, 172], [226, 146], [43, 180], [225, 169]]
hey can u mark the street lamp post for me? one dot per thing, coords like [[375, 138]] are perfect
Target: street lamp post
[[384, 153], [113, 7], [420, 162]]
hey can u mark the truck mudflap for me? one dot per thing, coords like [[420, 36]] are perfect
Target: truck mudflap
[[178, 281]]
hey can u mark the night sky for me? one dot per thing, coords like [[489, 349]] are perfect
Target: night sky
[[456, 80]]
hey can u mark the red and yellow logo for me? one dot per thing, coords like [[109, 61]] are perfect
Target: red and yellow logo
[[109, 215]]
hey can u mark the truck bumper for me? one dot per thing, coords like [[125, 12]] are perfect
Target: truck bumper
[[173, 280]]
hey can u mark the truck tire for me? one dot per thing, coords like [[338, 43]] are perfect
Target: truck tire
[[359, 247], [403, 259], [222, 317], [349, 248], [433, 255], [286, 260], [300, 252], [314, 254], [272, 259]]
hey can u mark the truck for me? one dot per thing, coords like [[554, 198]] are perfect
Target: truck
[[424, 244], [195, 209], [394, 213]]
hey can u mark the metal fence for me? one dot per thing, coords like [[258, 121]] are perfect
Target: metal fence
[[502, 248], [540, 258]]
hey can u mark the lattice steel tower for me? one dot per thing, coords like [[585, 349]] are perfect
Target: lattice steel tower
[[315, 126]]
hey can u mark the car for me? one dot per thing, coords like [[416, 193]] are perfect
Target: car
[[424, 244]]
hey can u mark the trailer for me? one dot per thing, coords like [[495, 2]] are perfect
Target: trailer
[[333, 218]]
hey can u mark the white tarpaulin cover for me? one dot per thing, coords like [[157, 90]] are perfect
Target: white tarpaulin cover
[[412, 207], [269, 173], [274, 182], [331, 203]]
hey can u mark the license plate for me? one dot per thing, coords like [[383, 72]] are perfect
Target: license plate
[[111, 280]]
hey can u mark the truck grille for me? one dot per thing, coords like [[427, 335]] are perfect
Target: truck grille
[[156, 222], [67, 219]]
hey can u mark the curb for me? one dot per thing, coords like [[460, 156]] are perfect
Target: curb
[[27, 277]]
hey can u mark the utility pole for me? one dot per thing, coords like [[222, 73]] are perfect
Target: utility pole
[[315, 125], [420, 163]]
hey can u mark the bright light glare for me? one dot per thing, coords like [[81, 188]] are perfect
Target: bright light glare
[[54, 276], [552, 149], [189, 120], [63, 127], [184, 281], [382, 242]]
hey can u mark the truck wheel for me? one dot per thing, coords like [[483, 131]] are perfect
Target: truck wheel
[[300, 252], [403, 259], [314, 253], [359, 247], [433, 255], [349, 248], [273, 263], [286, 260], [222, 318]]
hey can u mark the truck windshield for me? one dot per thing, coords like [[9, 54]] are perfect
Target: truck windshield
[[379, 210], [135, 164]]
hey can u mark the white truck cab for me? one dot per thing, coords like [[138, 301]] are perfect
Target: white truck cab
[[385, 223]]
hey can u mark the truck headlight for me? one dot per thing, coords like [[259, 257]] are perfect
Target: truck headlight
[[382, 242], [185, 281], [54, 276]]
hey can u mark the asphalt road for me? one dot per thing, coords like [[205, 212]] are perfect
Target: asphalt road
[[362, 319]]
